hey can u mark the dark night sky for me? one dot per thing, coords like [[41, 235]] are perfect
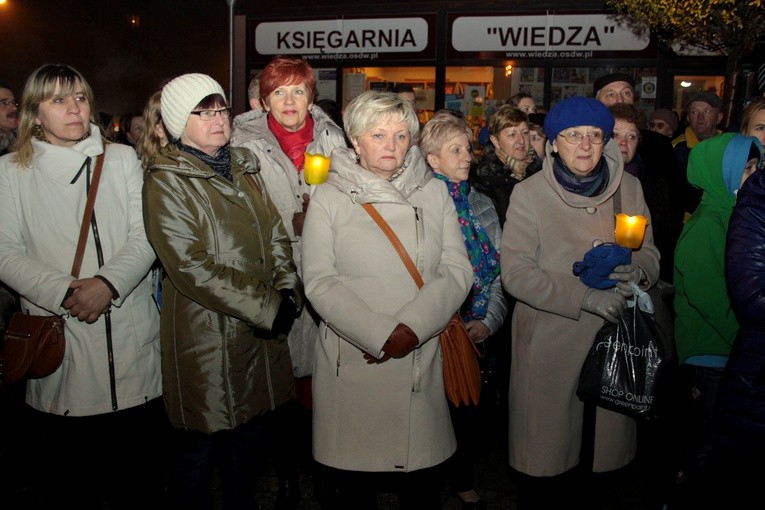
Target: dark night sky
[[123, 65]]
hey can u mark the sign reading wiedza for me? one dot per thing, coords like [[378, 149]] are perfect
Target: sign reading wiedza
[[410, 37], [542, 36]]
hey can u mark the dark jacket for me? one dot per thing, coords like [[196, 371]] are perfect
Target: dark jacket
[[494, 179], [226, 254], [741, 398], [661, 188]]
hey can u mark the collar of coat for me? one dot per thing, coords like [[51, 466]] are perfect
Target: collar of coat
[[169, 158], [363, 186]]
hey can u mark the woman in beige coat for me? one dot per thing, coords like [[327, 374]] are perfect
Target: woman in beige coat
[[554, 218], [380, 412]]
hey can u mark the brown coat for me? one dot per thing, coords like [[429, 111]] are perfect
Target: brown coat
[[546, 231]]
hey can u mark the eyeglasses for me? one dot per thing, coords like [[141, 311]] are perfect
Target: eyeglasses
[[9, 102], [575, 137], [225, 113]]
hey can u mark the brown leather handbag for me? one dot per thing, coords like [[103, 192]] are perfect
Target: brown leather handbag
[[462, 372], [34, 345]]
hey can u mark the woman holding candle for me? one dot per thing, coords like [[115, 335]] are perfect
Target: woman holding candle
[[705, 324], [280, 133], [380, 412], [554, 218], [287, 126]]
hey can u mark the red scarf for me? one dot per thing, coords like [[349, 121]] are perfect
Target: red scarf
[[293, 144]]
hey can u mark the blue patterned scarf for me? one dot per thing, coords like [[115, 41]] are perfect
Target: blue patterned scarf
[[483, 256]]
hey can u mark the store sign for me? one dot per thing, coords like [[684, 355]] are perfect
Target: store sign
[[542, 36], [346, 39]]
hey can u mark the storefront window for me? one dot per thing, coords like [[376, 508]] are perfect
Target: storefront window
[[422, 79], [683, 87]]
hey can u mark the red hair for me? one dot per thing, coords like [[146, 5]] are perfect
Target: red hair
[[286, 71]]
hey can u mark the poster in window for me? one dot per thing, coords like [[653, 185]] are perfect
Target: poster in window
[[578, 75], [527, 73], [560, 75]]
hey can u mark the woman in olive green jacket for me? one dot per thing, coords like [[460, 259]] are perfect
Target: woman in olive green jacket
[[230, 293]]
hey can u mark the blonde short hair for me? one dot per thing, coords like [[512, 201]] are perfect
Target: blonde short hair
[[442, 127], [370, 108]]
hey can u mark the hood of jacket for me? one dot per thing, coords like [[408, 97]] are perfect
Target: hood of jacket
[[172, 159], [363, 186], [729, 152]]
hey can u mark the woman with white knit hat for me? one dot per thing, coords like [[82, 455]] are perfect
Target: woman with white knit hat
[[230, 294]]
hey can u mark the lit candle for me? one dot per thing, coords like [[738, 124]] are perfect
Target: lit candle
[[316, 168], [630, 230]]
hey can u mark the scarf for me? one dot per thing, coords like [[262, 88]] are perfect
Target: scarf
[[293, 144], [634, 167], [220, 164], [483, 256], [590, 185]]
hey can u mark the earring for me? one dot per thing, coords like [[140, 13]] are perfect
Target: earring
[[38, 133]]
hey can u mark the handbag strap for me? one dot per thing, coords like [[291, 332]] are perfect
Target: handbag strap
[[87, 215], [369, 208]]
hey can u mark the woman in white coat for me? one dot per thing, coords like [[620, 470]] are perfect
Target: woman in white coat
[[99, 415], [379, 405]]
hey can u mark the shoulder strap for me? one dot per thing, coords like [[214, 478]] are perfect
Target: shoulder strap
[[87, 215], [369, 208]]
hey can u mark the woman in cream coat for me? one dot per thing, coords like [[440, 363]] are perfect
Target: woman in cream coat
[[379, 402], [554, 218]]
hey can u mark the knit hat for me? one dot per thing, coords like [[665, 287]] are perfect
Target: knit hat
[[707, 97], [181, 95], [611, 78], [578, 111], [668, 116]]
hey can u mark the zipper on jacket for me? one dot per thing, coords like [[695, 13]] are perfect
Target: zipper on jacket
[[417, 236], [267, 366], [337, 361]]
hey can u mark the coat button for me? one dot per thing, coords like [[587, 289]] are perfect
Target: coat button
[[591, 210], [240, 194]]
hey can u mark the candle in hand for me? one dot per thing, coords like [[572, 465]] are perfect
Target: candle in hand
[[316, 168], [629, 230]]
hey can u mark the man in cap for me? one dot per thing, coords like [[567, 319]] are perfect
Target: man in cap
[[614, 88], [703, 114], [9, 119]]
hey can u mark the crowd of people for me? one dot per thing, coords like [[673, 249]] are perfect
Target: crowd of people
[[230, 312]]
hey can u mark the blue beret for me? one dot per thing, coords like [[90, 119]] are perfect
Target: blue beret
[[578, 111]]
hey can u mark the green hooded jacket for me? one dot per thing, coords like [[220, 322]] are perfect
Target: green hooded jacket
[[704, 321]]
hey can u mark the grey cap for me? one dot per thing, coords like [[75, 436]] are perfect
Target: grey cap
[[707, 97]]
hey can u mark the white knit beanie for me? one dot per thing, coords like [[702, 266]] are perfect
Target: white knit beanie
[[181, 95]]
